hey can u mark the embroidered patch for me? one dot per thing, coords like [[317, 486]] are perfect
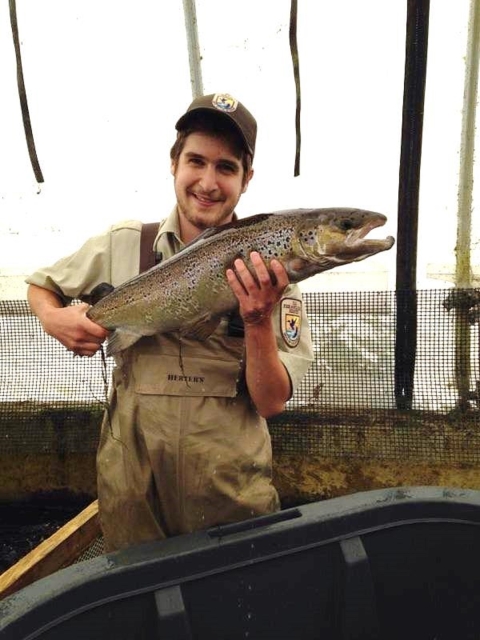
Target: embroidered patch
[[291, 321], [224, 102]]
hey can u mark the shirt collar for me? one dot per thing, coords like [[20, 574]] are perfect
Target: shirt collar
[[171, 225]]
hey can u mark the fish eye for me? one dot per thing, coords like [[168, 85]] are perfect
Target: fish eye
[[347, 224]]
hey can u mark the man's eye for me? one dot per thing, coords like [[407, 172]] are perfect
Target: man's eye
[[227, 168], [196, 161]]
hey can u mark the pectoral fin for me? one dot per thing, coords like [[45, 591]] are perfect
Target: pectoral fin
[[202, 328], [120, 340]]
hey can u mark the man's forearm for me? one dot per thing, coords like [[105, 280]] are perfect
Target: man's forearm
[[42, 300], [267, 379]]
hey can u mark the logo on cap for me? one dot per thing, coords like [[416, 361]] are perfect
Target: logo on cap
[[224, 102]]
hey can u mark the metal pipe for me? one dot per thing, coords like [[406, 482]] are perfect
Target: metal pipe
[[194, 56], [463, 269], [463, 274]]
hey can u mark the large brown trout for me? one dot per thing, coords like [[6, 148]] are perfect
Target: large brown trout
[[189, 292]]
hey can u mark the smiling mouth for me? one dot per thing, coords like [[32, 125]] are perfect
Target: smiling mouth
[[204, 200]]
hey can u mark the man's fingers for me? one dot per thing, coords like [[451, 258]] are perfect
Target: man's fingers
[[86, 349], [244, 276], [94, 329], [264, 277], [235, 283], [280, 274], [261, 277], [264, 282]]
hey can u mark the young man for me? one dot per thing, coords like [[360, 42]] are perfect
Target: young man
[[176, 456]]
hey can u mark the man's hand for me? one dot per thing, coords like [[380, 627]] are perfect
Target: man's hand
[[71, 327], [257, 296]]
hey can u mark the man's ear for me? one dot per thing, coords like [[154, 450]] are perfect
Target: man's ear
[[173, 167], [247, 180]]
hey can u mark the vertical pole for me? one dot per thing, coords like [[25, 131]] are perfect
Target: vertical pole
[[194, 56], [467, 149], [463, 276]]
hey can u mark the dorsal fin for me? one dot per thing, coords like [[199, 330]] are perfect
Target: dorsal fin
[[237, 224]]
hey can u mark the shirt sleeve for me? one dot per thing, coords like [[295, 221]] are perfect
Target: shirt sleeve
[[78, 273], [294, 344], [110, 257]]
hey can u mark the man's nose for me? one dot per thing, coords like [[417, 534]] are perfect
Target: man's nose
[[208, 179]]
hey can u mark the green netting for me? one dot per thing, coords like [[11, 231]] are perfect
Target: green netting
[[346, 406]]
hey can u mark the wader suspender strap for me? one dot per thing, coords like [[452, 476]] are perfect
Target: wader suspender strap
[[148, 257]]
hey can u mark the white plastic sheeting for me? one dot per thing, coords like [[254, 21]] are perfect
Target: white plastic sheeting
[[107, 79]]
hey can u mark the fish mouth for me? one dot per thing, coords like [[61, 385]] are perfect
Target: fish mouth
[[355, 242]]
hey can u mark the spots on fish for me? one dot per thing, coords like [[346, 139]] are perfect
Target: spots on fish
[[308, 237]]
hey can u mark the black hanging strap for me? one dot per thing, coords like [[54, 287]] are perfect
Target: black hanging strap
[[296, 75], [408, 199], [23, 95]]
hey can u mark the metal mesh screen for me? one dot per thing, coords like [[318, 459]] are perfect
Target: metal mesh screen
[[97, 548], [354, 338], [346, 406], [49, 399]]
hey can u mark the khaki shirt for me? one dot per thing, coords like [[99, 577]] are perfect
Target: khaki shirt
[[182, 447]]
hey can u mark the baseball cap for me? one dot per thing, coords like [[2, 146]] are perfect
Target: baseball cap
[[231, 108]]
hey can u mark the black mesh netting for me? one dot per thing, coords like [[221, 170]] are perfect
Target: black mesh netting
[[346, 406], [49, 399]]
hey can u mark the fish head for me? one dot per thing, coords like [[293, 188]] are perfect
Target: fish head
[[328, 238]]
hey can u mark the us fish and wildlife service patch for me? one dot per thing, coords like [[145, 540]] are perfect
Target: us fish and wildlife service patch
[[291, 321], [225, 102]]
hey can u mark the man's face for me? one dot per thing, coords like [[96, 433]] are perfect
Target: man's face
[[208, 183]]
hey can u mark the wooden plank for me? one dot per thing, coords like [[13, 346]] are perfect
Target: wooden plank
[[59, 550]]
